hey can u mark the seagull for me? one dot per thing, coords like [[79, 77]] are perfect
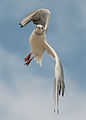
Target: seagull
[[39, 45]]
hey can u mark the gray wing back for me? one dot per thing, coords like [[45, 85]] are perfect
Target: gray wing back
[[40, 16]]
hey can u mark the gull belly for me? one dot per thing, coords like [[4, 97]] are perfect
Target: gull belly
[[36, 45]]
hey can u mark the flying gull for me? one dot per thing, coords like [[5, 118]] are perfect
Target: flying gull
[[39, 45]]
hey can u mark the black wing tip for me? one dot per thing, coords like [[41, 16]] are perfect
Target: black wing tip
[[59, 92], [57, 111], [62, 93], [21, 25]]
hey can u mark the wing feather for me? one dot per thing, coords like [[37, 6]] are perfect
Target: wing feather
[[40, 16], [59, 84]]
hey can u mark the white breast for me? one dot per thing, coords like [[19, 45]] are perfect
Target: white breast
[[36, 43]]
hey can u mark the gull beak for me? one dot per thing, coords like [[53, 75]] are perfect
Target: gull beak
[[38, 28]]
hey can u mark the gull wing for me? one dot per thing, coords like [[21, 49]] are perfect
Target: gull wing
[[59, 84], [40, 16]]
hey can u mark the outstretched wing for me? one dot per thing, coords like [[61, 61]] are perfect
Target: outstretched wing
[[59, 84], [40, 16]]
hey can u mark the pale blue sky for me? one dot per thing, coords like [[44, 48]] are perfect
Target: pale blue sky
[[66, 34]]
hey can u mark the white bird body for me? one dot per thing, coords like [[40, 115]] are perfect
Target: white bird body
[[39, 45], [36, 42]]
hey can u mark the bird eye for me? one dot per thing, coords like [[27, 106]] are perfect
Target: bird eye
[[42, 27]]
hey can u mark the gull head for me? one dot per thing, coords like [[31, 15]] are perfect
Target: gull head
[[39, 29]]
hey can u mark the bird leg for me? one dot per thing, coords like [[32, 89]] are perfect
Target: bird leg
[[28, 61], [27, 58]]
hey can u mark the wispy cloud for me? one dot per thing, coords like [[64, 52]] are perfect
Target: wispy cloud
[[25, 96]]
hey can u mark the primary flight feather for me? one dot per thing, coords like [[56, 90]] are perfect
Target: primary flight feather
[[39, 45]]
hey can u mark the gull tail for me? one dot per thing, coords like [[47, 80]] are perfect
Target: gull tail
[[39, 60]]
